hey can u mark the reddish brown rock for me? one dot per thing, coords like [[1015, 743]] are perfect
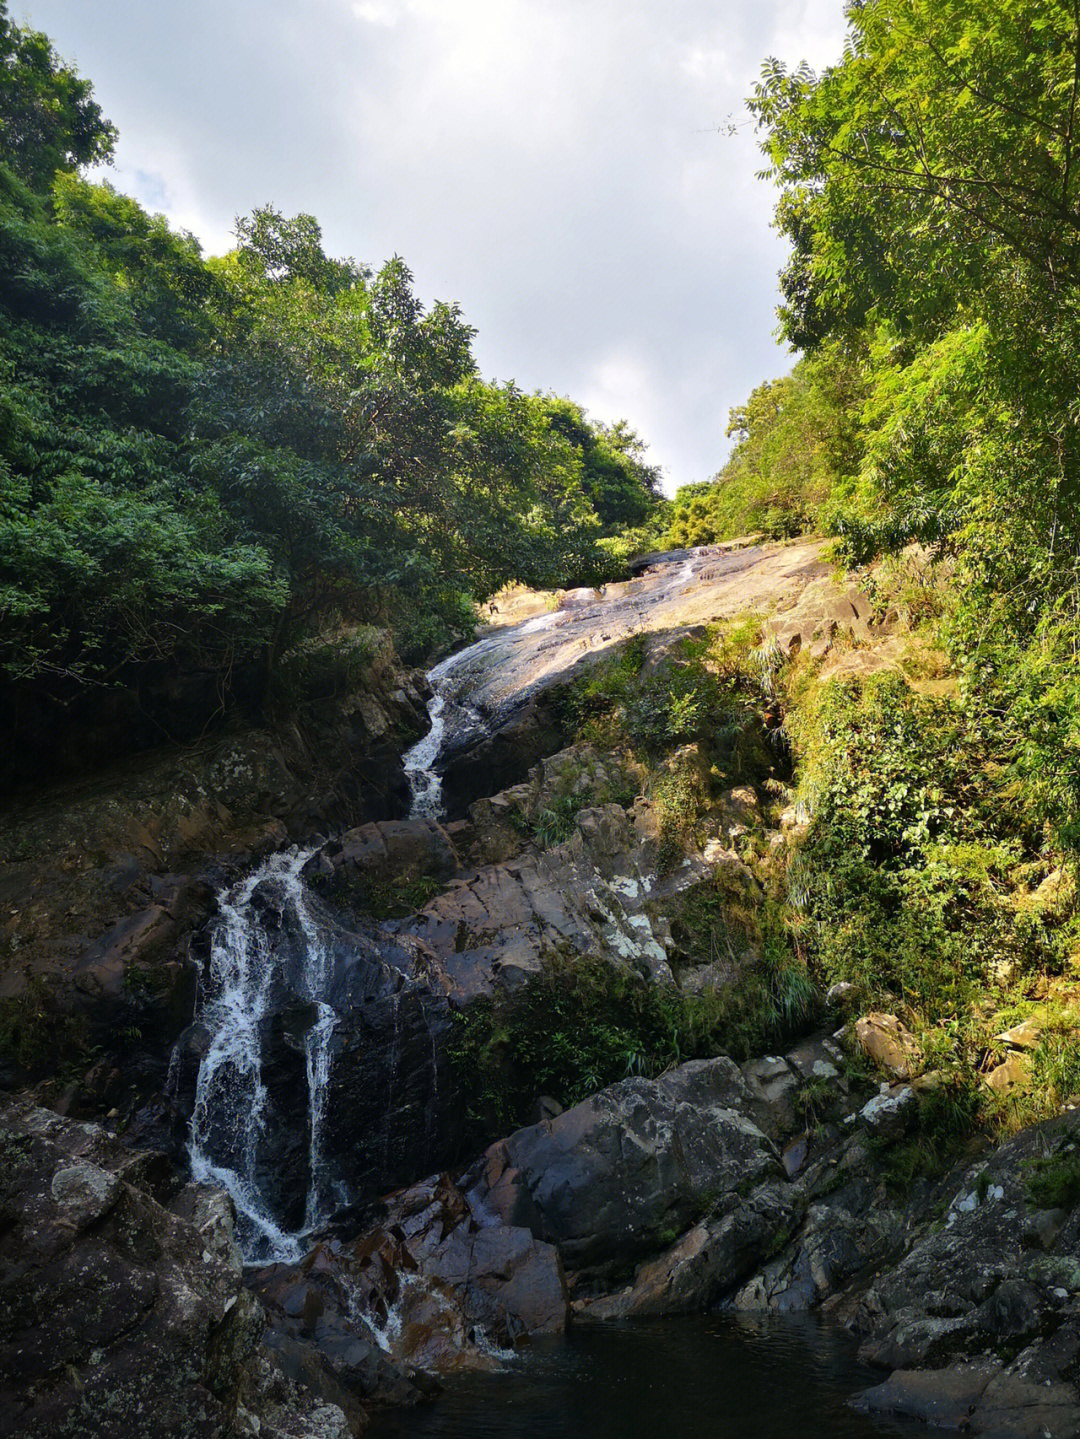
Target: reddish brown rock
[[885, 1041]]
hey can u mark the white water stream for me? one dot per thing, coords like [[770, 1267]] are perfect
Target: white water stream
[[230, 1115], [230, 1142]]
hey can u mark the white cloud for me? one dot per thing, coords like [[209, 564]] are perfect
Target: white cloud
[[554, 165], [373, 12]]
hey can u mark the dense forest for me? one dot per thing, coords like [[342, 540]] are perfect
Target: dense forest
[[208, 463], [930, 190]]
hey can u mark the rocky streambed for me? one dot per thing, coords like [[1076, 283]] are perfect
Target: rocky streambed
[[281, 1222]]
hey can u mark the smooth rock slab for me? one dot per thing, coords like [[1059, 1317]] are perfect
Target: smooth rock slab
[[944, 1397]]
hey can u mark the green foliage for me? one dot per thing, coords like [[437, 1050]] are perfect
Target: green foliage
[[929, 187], [623, 489], [49, 120], [797, 439], [206, 466], [944, 1127], [911, 850], [556, 822], [394, 898], [1053, 1182], [582, 1024]]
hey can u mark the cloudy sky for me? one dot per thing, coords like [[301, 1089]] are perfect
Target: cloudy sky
[[559, 167]]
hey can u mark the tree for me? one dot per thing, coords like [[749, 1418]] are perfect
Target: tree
[[49, 119]]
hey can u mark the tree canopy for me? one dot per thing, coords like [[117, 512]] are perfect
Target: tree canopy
[[930, 189], [206, 462]]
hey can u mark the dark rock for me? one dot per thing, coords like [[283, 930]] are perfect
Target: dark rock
[[944, 1397], [605, 1180], [501, 757], [435, 1284], [706, 1263], [395, 850], [116, 1315]]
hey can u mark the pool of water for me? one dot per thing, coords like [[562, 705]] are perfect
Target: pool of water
[[711, 1377]]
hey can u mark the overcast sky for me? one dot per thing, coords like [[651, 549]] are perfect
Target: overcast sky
[[556, 166]]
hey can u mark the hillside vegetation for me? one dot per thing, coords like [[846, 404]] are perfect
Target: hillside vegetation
[[930, 191]]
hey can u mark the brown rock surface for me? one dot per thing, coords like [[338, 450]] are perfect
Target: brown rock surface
[[885, 1041]]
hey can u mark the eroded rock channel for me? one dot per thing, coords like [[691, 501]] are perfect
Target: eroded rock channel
[[294, 1221]]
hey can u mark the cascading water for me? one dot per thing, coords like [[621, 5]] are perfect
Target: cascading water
[[419, 762], [445, 710], [229, 1122], [453, 716]]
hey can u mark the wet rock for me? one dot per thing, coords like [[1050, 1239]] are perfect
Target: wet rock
[[605, 1180], [500, 758], [885, 1041], [945, 1397], [434, 1286]]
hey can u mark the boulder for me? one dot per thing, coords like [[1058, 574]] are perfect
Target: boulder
[[885, 1041], [1025, 1035], [434, 1286], [944, 1397], [593, 894], [1014, 1072], [397, 850], [888, 1113], [995, 1274], [116, 1314], [710, 1259], [606, 1180], [839, 1237], [773, 1084]]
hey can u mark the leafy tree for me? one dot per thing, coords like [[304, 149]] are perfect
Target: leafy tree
[[206, 465], [623, 489], [49, 120], [798, 438], [930, 190]]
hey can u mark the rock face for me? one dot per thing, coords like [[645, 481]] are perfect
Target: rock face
[[885, 1041], [394, 850], [434, 1286], [607, 1180], [118, 1315], [104, 881], [998, 1270], [384, 1101], [999, 1276], [592, 894]]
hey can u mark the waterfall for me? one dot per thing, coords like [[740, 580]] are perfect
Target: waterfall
[[229, 1122], [451, 716], [419, 763]]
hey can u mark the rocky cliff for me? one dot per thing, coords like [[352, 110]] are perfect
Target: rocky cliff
[[401, 1219]]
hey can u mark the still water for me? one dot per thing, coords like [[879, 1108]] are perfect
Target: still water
[[707, 1377]]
